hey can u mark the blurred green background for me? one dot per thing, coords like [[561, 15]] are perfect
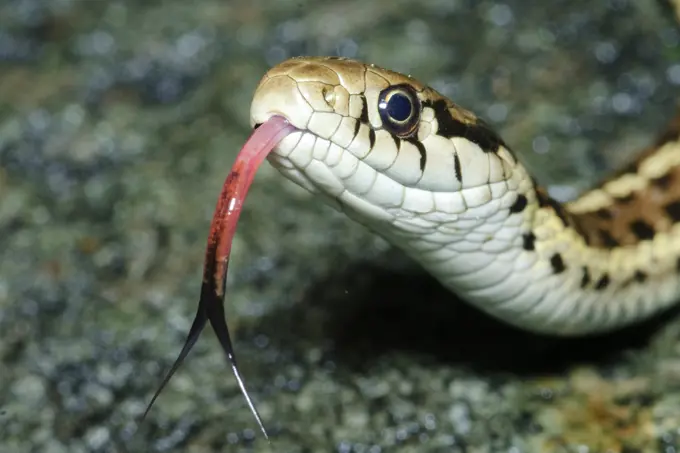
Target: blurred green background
[[119, 121]]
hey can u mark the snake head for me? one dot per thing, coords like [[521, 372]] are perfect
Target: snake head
[[377, 144]]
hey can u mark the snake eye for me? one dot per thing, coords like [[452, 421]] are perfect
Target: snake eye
[[399, 110]]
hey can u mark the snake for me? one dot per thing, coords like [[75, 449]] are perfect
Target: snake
[[439, 183], [436, 181]]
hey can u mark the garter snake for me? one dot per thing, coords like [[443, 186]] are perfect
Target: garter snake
[[436, 181]]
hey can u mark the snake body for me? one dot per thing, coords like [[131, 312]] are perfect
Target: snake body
[[440, 184]]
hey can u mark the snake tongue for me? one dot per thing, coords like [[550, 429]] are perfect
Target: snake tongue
[[222, 228]]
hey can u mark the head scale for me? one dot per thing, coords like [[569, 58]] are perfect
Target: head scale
[[377, 144]]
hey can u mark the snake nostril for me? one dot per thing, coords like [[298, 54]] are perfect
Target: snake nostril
[[329, 96]]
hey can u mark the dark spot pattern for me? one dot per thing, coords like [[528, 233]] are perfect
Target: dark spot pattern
[[371, 138], [607, 239], [663, 182], [519, 204], [557, 263], [642, 230], [640, 276], [421, 150], [637, 277], [397, 142], [479, 134], [357, 126], [456, 166], [585, 280], [673, 210], [603, 282], [604, 213], [529, 241], [364, 109]]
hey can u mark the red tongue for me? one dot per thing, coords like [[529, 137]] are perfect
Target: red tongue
[[222, 229]]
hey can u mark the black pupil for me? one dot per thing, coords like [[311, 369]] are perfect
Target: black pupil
[[399, 107]]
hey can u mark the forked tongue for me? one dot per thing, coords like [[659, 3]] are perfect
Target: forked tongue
[[222, 228]]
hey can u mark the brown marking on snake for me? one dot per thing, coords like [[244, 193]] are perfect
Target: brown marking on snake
[[607, 239], [582, 233], [663, 182], [604, 213], [371, 138], [595, 228], [640, 215], [634, 218], [642, 230]]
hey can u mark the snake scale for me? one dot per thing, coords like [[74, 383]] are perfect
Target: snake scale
[[436, 181]]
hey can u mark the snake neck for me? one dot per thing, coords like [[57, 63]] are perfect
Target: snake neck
[[610, 257]]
